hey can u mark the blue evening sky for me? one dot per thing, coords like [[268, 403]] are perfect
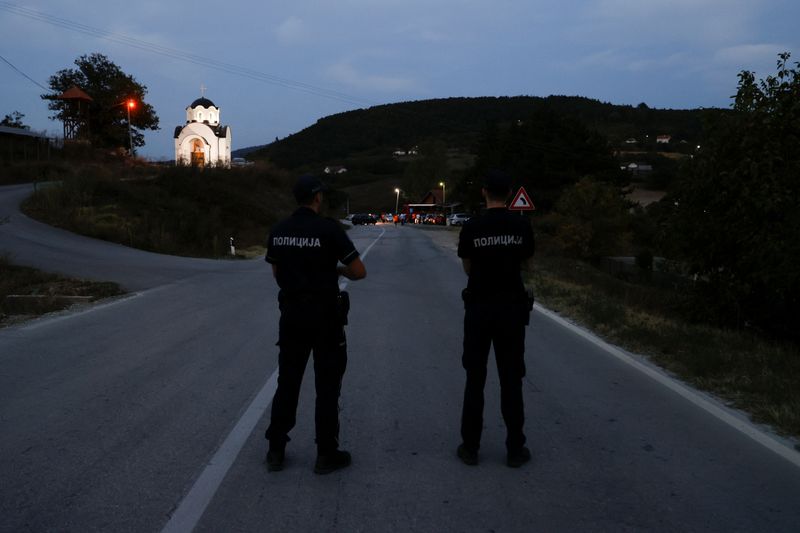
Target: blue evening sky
[[274, 68]]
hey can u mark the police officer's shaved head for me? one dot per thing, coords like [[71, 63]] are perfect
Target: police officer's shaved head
[[306, 187]]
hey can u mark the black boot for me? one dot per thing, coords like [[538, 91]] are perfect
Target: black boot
[[467, 455], [518, 457], [331, 461], [275, 457]]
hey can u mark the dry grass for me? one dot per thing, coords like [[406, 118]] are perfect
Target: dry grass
[[756, 374], [50, 288]]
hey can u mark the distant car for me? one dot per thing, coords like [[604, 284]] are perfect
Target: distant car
[[363, 219], [240, 162], [434, 219], [458, 219]]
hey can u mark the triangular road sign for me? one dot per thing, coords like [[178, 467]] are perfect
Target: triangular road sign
[[522, 202]]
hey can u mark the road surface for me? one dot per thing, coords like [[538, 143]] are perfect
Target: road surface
[[147, 413]]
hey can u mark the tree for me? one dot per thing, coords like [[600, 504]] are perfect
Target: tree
[[546, 152], [736, 220], [110, 89], [592, 220], [14, 120]]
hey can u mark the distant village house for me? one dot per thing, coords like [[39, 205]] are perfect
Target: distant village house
[[335, 170]]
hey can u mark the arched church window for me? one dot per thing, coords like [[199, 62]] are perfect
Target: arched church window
[[200, 115]]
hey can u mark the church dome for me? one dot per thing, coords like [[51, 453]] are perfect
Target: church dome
[[202, 102]]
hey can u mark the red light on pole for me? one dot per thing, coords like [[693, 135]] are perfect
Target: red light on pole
[[131, 104]]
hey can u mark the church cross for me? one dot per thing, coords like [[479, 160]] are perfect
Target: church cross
[[203, 90]]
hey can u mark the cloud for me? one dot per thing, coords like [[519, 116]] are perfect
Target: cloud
[[749, 55], [292, 31], [637, 23], [345, 73]]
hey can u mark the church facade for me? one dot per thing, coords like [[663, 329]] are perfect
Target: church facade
[[203, 141]]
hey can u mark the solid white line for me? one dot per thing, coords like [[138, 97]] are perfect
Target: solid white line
[[194, 504], [693, 396]]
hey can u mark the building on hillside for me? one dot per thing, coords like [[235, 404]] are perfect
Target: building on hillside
[[203, 141], [663, 139], [21, 144], [335, 169]]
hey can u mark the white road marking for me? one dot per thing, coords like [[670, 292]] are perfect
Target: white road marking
[[194, 504], [745, 427]]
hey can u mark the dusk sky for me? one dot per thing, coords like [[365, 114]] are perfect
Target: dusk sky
[[282, 66]]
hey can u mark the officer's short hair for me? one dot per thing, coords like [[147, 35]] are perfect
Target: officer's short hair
[[306, 187], [497, 184]]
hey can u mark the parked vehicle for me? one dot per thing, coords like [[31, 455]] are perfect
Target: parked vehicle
[[363, 219], [457, 219]]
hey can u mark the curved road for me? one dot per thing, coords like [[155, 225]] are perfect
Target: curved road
[[147, 413]]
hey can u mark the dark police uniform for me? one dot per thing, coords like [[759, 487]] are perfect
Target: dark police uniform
[[496, 312], [306, 248]]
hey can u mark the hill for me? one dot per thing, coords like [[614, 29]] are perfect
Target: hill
[[414, 145], [458, 122]]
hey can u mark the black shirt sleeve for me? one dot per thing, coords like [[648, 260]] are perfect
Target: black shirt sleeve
[[465, 247], [345, 249]]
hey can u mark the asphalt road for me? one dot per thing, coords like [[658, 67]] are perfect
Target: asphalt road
[[119, 418]]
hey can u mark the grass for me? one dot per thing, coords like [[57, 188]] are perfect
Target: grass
[[753, 373], [20, 280], [178, 211]]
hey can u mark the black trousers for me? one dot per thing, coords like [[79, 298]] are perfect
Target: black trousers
[[502, 324], [306, 326]]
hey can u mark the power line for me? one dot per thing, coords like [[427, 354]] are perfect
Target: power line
[[222, 66], [7, 62], [180, 55]]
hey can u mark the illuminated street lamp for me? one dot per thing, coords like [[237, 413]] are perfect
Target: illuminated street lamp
[[441, 184], [130, 104], [396, 200]]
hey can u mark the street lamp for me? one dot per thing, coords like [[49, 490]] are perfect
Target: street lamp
[[131, 104], [396, 200], [441, 184]]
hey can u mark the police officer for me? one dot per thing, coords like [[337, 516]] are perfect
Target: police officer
[[305, 251], [493, 247]]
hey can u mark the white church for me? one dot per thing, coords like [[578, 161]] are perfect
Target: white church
[[203, 141]]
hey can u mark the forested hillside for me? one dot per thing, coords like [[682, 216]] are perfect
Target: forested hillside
[[458, 123]]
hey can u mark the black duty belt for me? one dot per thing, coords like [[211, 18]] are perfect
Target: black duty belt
[[469, 295], [306, 296]]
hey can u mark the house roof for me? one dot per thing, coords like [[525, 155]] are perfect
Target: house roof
[[74, 93], [432, 197], [10, 130]]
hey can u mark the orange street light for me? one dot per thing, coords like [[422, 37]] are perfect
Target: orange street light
[[131, 105]]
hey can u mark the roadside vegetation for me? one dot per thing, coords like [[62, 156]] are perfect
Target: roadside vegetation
[[708, 286], [172, 210], [26, 292], [751, 370]]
